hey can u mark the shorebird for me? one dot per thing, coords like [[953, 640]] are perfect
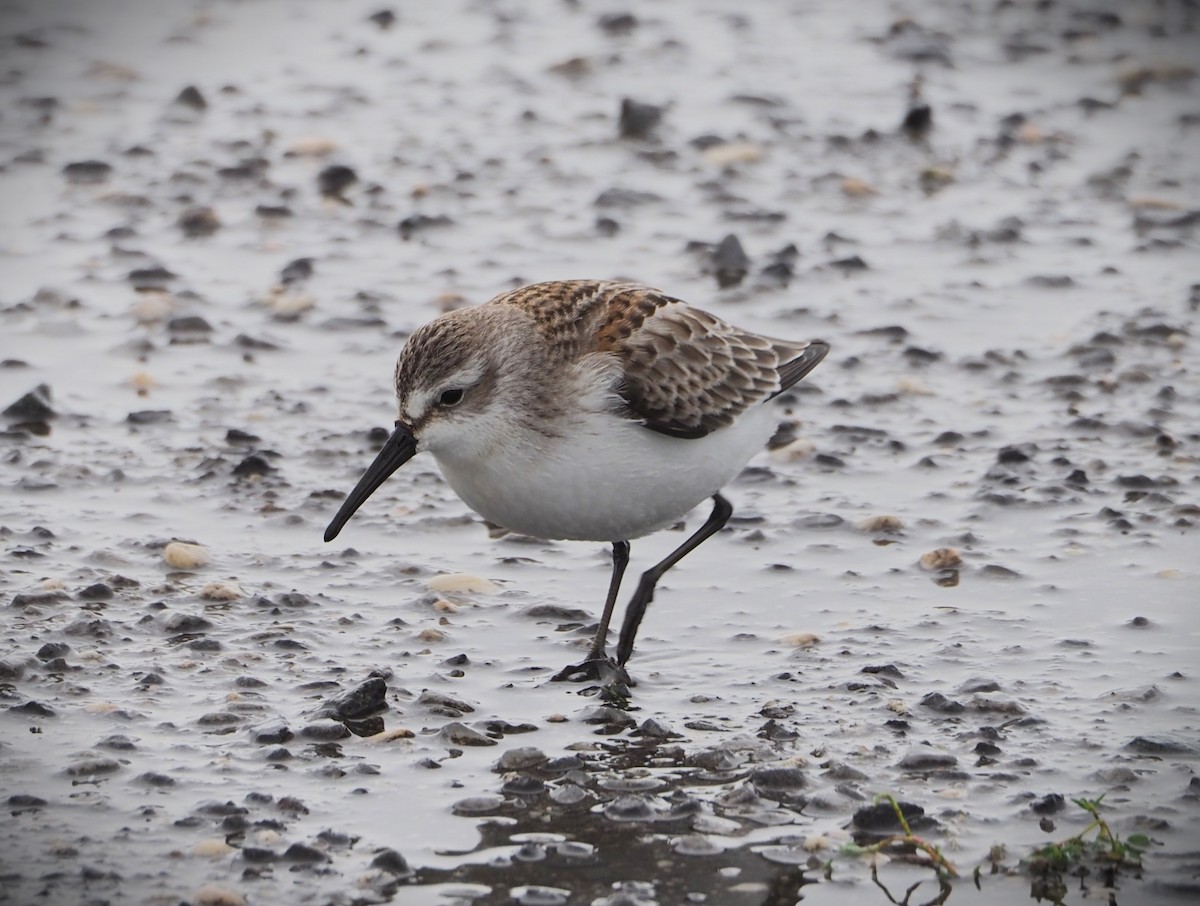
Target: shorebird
[[590, 411]]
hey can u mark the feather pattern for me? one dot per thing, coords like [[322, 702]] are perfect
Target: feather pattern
[[682, 371]]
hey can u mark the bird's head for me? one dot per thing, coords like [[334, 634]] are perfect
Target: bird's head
[[458, 389]]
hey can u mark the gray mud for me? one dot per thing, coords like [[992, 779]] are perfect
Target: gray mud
[[219, 221]]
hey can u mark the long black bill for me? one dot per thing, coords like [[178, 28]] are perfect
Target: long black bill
[[399, 449]]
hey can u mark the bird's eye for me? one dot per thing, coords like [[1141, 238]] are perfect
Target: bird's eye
[[451, 397]]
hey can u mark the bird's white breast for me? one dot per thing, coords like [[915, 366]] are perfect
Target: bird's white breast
[[604, 479]]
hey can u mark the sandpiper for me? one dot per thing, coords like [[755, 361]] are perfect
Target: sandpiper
[[590, 411]]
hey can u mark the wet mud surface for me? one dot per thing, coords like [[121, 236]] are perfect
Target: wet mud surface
[[965, 575]]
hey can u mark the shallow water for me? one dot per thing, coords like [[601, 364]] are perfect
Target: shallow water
[[1021, 390]]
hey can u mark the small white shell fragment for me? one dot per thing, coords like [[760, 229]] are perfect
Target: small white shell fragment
[[389, 735], [221, 591], [216, 895], [441, 605], [729, 153], [942, 558], [897, 706], [288, 306], [449, 583], [853, 187], [882, 523], [814, 843], [153, 306], [181, 555], [800, 448], [100, 707], [913, 386], [52, 584], [312, 146], [431, 635], [801, 639], [142, 382], [212, 848]]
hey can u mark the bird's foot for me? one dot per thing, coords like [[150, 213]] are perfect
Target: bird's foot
[[599, 669]]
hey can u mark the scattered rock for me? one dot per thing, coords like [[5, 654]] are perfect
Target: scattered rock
[[462, 583], [638, 120], [199, 221], [34, 406], [181, 555], [335, 179], [87, 172], [192, 98]]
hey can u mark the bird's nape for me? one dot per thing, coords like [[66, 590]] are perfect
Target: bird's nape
[[399, 449]]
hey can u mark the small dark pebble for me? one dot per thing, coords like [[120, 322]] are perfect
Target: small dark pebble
[[191, 97], [624, 198], [523, 786], [362, 701], [239, 437], [150, 417], [32, 709], [100, 591], [1051, 281], [979, 685], [252, 465], [324, 730], [154, 778], [87, 172], [617, 23], [302, 852], [391, 861], [367, 726], [775, 780], [918, 121], [199, 221], [52, 650], [187, 622], [936, 701], [1050, 804], [415, 223], [926, 760], [117, 742], [852, 263], [638, 120], [34, 406], [335, 179], [459, 734], [154, 277], [881, 818], [185, 324], [1160, 745], [297, 270], [996, 571], [273, 732], [258, 854], [556, 612], [890, 670], [24, 800], [292, 805], [730, 262]]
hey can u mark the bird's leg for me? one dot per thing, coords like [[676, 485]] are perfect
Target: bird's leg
[[598, 665], [721, 512]]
